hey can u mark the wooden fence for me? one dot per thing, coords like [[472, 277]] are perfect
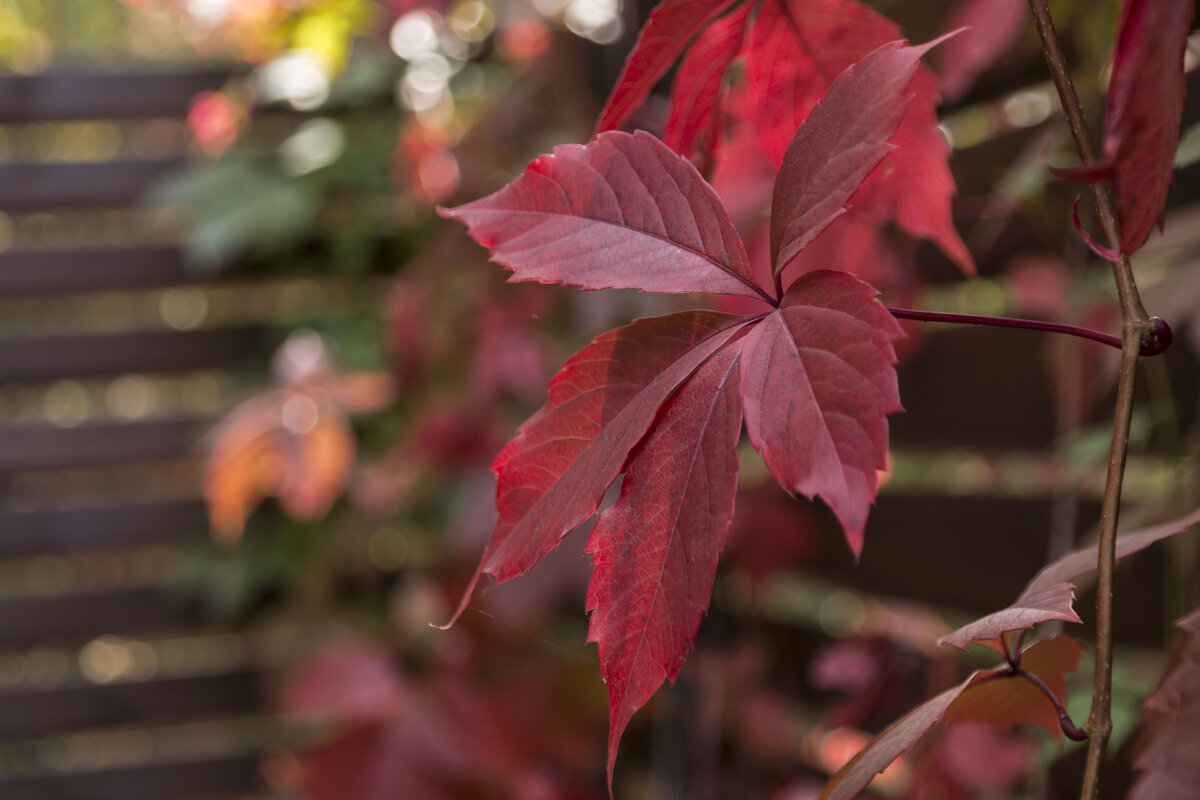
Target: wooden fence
[[111, 685]]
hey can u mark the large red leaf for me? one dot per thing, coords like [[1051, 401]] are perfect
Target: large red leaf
[[694, 125], [656, 549], [554, 473], [817, 383], [840, 142], [666, 33], [623, 212], [1166, 747], [796, 49], [1050, 594], [1145, 101], [662, 400], [990, 697]]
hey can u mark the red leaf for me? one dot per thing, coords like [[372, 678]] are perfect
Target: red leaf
[[665, 35], [792, 51], [624, 212], [1011, 700], [817, 383], [914, 185], [1166, 747], [553, 475], [656, 549], [991, 28], [795, 51], [660, 399], [1050, 594], [1145, 101], [694, 126], [840, 142], [890, 744]]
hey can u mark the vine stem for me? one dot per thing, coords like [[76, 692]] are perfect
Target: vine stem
[[1136, 329]]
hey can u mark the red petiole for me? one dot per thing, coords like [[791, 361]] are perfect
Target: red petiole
[[1154, 344]]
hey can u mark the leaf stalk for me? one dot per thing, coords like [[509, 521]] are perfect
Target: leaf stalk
[[1157, 342], [1069, 729]]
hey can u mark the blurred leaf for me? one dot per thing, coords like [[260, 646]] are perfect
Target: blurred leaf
[[1171, 716], [238, 207]]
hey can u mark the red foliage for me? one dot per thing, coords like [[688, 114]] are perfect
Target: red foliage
[[388, 738], [1167, 745], [381, 733], [834, 151], [621, 213], [665, 35], [1141, 116], [791, 51], [662, 399], [656, 549], [818, 382]]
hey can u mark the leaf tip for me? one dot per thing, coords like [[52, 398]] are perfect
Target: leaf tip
[[615, 731], [952, 640], [854, 538], [932, 43], [462, 604]]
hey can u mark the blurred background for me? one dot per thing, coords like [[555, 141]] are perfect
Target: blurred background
[[251, 385]]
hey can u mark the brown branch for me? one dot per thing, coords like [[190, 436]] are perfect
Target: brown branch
[[1136, 327]]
